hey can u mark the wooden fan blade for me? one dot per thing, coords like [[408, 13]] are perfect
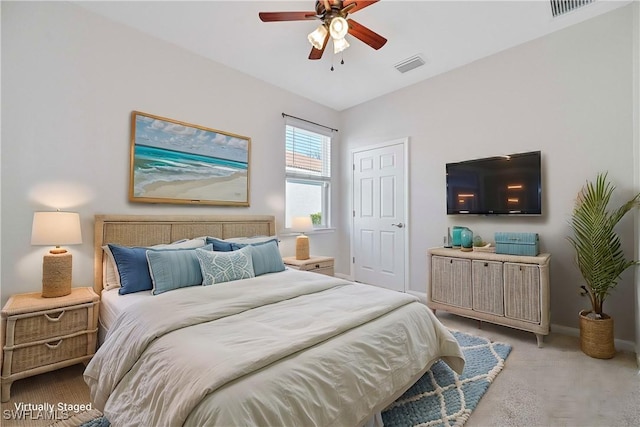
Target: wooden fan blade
[[317, 53], [364, 34], [357, 5], [286, 16]]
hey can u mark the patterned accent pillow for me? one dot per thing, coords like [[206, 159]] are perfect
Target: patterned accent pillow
[[218, 267]]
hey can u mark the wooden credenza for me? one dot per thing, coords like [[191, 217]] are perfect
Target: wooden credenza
[[509, 290]]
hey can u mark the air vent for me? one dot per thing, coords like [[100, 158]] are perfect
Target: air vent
[[409, 64], [560, 7]]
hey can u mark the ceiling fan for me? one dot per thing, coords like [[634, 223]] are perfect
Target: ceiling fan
[[333, 14]]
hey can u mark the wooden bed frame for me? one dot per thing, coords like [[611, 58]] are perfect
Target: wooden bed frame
[[147, 230]]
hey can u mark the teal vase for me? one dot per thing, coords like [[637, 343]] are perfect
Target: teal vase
[[455, 236], [466, 238]]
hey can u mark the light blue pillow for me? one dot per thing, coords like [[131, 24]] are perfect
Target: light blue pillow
[[218, 267], [265, 254], [266, 258], [173, 269]]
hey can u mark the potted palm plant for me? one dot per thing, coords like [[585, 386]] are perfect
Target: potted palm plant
[[601, 261]]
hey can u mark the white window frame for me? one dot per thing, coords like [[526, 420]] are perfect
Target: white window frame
[[311, 179]]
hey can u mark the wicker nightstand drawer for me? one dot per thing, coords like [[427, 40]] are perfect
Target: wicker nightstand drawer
[[315, 264], [51, 324], [47, 353]]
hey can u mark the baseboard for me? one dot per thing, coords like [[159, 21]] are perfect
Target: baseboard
[[344, 276], [575, 332], [564, 330]]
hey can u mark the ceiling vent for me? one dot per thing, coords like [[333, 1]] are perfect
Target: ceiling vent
[[560, 7], [409, 64]]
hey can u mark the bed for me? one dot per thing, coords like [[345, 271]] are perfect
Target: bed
[[278, 348]]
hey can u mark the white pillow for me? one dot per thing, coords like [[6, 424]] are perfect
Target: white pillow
[[110, 274]]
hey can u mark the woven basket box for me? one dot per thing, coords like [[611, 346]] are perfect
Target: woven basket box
[[517, 243]]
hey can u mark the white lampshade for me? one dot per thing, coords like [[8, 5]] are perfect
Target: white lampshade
[[338, 28], [316, 38], [301, 224], [56, 228], [340, 45]]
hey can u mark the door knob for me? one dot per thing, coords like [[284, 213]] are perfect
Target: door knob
[[399, 225]]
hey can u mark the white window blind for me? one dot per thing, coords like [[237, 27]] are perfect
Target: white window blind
[[308, 154]]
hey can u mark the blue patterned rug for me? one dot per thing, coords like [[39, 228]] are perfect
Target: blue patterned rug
[[443, 398]]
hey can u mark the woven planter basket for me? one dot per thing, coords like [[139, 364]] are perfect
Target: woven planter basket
[[596, 336]]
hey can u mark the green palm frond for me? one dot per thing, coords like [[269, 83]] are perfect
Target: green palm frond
[[599, 254]]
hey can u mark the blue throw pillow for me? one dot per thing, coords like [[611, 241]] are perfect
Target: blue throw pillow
[[218, 267], [219, 245], [173, 269], [132, 268]]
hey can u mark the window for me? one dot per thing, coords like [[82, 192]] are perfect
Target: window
[[308, 172]]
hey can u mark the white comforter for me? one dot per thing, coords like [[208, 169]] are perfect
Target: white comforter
[[290, 348]]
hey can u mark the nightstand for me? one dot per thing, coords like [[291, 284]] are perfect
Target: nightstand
[[44, 334], [316, 264]]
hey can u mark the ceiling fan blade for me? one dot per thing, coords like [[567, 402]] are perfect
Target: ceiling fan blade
[[356, 5], [364, 34], [286, 16], [317, 53]]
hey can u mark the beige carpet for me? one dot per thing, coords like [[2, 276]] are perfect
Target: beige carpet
[[552, 386], [556, 385]]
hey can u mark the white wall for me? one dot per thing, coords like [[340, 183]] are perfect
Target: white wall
[[636, 156], [568, 94], [70, 80]]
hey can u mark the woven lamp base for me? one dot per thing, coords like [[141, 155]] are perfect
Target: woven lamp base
[[56, 275], [302, 247], [596, 336]]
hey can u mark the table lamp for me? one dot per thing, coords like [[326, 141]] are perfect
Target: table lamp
[[55, 229], [302, 224]]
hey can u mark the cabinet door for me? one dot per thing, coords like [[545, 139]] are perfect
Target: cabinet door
[[451, 281], [487, 287], [522, 291]]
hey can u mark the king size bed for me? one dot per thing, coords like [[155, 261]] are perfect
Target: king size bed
[[279, 347]]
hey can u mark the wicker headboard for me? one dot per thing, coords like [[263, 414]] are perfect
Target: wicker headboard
[[147, 230]]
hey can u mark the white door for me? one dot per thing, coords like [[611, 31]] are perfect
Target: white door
[[379, 217]]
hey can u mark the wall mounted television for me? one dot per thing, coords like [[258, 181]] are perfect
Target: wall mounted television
[[501, 185]]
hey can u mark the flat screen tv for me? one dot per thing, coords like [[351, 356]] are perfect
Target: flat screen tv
[[501, 185]]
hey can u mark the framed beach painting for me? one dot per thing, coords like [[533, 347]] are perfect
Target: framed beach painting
[[178, 162]]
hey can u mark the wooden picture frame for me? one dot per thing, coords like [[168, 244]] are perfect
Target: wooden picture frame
[[178, 162]]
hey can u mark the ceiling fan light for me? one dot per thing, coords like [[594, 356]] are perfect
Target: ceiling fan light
[[316, 37], [339, 45], [338, 28]]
